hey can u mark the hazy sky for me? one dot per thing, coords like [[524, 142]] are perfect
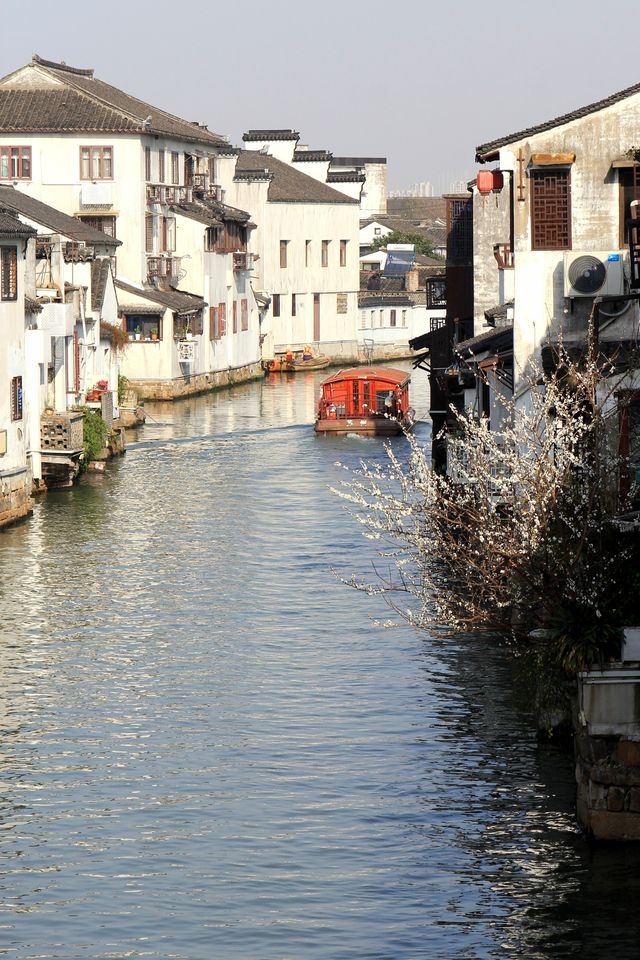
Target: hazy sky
[[419, 82]]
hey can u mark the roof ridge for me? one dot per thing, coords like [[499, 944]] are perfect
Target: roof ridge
[[564, 118], [96, 98], [83, 72]]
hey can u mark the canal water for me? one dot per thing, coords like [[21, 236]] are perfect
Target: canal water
[[211, 749]]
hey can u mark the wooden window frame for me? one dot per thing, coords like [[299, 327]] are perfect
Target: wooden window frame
[[550, 231], [23, 153], [147, 164], [307, 252], [283, 254], [275, 304], [235, 316], [99, 152], [16, 398], [343, 253], [222, 319], [214, 323], [8, 273], [175, 168], [324, 256], [149, 231], [132, 320], [162, 166], [294, 305], [393, 318], [244, 314]]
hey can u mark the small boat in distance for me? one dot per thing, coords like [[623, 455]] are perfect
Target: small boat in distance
[[372, 401], [296, 361]]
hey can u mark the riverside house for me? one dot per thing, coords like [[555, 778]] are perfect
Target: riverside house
[[15, 476], [306, 242], [71, 319], [551, 215], [134, 171]]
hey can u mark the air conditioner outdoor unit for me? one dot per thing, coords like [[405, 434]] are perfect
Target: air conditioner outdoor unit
[[593, 274]]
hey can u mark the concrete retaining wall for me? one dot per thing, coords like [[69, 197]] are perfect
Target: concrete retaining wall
[[15, 499]]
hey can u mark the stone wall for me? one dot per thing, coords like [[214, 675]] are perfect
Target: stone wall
[[15, 499], [198, 383], [607, 742]]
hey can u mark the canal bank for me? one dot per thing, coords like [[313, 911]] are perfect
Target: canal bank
[[211, 747]]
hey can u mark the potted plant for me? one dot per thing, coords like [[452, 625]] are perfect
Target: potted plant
[[154, 334], [137, 333]]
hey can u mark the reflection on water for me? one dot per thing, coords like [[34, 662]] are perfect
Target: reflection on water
[[210, 750]]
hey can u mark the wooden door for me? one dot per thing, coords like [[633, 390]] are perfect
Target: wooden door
[[316, 317]]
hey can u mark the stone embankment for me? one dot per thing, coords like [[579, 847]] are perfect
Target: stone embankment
[[607, 742]]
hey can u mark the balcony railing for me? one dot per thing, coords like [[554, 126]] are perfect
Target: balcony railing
[[504, 255], [242, 261], [168, 193], [163, 267], [436, 292]]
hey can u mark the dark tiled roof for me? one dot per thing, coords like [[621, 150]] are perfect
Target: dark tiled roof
[[176, 300], [32, 305], [53, 219], [346, 177], [497, 315], [210, 212], [369, 298], [143, 309], [100, 270], [492, 145], [85, 103], [302, 156], [10, 226], [273, 134], [497, 337], [288, 185], [417, 208], [356, 161]]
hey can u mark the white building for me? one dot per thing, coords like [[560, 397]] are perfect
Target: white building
[[122, 165], [15, 477], [306, 245], [71, 315]]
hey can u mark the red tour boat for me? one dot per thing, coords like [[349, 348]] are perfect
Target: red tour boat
[[373, 401]]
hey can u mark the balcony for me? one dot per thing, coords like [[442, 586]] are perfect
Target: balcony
[[163, 268], [504, 256], [242, 261], [436, 293]]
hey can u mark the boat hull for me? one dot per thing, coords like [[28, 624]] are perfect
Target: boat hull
[[363, 426], [281, 365]]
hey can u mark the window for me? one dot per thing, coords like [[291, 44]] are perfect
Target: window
[[15, 163], [169, 234], [96, 163], [148, 232], [143, 326], [161, 170], [325, 253], [175, 168], [377, 231], [214, 323], [363, 319], [404, 318], [106, 225], [550, 209], [16, 398], [244, 315], [222, 318], [372, 319], [235, 316], [343, 253], [9, 273], [392, 318], [307, 252], [293, 305], [283, 253], [276, 305], [147, 164]]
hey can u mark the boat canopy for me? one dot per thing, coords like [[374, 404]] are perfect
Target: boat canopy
[[383, 374]]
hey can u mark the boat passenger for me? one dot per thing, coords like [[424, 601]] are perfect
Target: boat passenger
[[307, 352]]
